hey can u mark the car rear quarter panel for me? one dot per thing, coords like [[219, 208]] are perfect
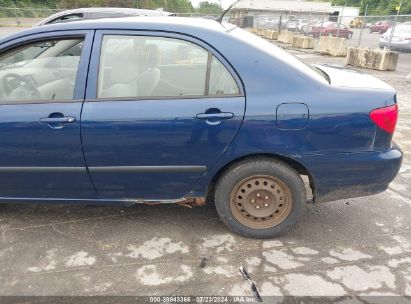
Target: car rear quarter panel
[[339, 125], [338, 117]]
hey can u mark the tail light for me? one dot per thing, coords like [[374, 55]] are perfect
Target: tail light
[[385, 118]]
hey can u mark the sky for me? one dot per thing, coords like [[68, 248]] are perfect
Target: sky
[[224, 3]]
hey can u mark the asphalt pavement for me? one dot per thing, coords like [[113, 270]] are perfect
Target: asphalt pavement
[[357, 247]]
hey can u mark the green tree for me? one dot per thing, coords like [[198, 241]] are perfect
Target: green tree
[[206, 7], [178, 6]]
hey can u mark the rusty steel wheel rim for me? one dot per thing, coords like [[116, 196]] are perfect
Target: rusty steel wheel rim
[[261, 202]]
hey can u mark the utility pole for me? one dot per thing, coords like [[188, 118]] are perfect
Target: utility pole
[[395, 24], [15, 14], [362, 25], [340, 18]]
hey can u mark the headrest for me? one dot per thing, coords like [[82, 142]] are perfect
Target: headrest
[[125, 68], [152, 58]]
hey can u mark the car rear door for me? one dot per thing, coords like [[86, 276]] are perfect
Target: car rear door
[[160, 110], [42, 81]]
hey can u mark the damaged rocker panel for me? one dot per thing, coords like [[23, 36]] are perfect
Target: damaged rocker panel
[[187, 201]]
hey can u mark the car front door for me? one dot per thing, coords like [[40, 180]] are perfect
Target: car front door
[[42, 86], [159, 112]]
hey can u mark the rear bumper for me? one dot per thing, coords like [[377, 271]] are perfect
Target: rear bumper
[[348, 175]]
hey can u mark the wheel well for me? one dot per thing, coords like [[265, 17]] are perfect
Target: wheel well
[[289, 161]]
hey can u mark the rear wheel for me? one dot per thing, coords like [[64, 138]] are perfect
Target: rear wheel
[[260, 198]]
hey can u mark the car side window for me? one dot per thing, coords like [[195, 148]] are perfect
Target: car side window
[[146, 66], [40, 71], [221, 81], [143, 66]]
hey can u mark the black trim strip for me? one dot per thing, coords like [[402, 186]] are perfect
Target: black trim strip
[[43, 169], [148, 169], [208, 72], [163, 97], [49, 102], [110, 169]]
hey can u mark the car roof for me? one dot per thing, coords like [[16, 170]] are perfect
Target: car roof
[[187, 25], [108, 10]]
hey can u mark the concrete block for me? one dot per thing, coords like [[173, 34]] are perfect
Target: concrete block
[[375, 59], [270, 35], [382, 60], [260, 32], [353, 56], [295, 42], [303, 42], [273, 35], [307, 43], [286, 37], [333, 46], [266, 33]]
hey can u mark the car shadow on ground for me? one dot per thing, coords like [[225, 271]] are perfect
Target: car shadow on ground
[[334, 220]]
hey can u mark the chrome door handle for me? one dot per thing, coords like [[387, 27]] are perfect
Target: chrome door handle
[[219, 116], [57, 120], [64, 119]]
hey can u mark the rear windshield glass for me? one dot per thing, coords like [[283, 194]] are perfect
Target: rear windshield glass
[[280, 54]]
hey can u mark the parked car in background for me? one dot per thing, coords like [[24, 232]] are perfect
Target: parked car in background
[[100, 12], [187, 110], [267, 23], [401, 38], [331, 29], [307, 28], [380, 26], [290, 25], [301, 24]]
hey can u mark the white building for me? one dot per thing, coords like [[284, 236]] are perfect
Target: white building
[[347, 13], [257, 11]]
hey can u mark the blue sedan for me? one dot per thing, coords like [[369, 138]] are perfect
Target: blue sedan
[[179, 110]]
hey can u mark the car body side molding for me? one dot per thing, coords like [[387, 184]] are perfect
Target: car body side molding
[[42, 169], [149, 169], [134, 169]]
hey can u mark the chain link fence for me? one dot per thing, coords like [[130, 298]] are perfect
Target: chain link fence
[[27, 17], [391, 31], [16, 16]]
